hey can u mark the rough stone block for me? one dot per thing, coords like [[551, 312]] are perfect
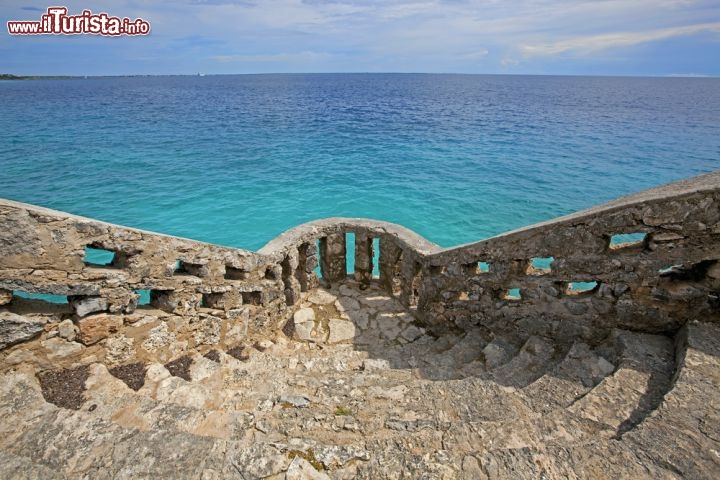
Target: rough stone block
[[5, 296], [94, 328], [16, 328], [86, 305], [340, 331]]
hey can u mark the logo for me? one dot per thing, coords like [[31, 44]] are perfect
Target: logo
[[57, 22]]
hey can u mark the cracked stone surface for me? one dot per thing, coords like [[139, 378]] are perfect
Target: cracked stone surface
[[466, 405]]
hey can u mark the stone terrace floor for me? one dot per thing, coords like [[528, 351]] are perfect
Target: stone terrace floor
[[356, 389]]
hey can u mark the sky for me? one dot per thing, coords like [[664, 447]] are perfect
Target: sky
[[564, 37]]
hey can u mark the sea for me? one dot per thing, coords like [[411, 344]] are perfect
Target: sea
[[237, 159]]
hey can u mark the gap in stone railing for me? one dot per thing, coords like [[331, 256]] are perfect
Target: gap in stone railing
[[626, 240], [187, 268], [483, 267], [376, 258], [99, 257], [513, 294], [578, 288], [350, 253], [232, 273], [317, 270], [45, 297], [540, 265], [251, 298], [144, 299]]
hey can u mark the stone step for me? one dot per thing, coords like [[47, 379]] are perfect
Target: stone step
[[533, 359], [19, 467], [621, 400], [606, 460], [109, 398], [62, 443], [683, 434], [579, 371]]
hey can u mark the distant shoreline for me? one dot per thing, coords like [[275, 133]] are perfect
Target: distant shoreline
[[9, 76]]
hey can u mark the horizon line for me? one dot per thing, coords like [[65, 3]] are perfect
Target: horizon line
[[202, 74]]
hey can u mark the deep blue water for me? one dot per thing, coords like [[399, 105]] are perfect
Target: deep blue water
[[236, 160]]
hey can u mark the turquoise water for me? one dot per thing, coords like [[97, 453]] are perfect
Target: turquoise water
[[236, 160]]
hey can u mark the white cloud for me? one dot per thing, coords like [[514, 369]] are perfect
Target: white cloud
[[592, 43], [274, 57]]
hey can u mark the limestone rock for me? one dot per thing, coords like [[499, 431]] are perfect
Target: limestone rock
[[297, 401], [5, 296], [208, 330], [67, 330], [340, 331], [321, 297], [301, 469], [94, 328], [16, 328], [87, 305], [304, 322], [119, 349], [497, 353], [260, 461], [370, 364], [58, 348], [159, 336], [412, 333]]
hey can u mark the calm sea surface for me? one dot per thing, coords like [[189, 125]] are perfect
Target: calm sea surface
[[236, 160]]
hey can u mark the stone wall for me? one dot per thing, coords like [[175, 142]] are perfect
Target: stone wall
[[566, 278]]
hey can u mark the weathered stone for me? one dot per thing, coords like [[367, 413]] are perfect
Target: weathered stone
[[340, 330], [16, 328], [5, 296], [86, 305], [332, 257], [304, 322], [412, 333], [260, 461], [119, 349], [207, 330], [297, 401], [301, 469], [94, 328], [497, 353], [59, 348], [576, 307], [375, 364], [67, 330], [159, 336], [321, 297]]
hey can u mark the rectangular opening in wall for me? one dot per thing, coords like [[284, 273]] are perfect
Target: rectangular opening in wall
[[144, 299], [45, 297], [98, 257], [317, 269], [483, 267], [437, 269], [232, 273], [350, 255], [187, 268], [540, 265], [252, 298], [376, 258], [273, 272], [513, 294], [578, 288], [163, 299], [626, 240], [24, 302], [214, 300]]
